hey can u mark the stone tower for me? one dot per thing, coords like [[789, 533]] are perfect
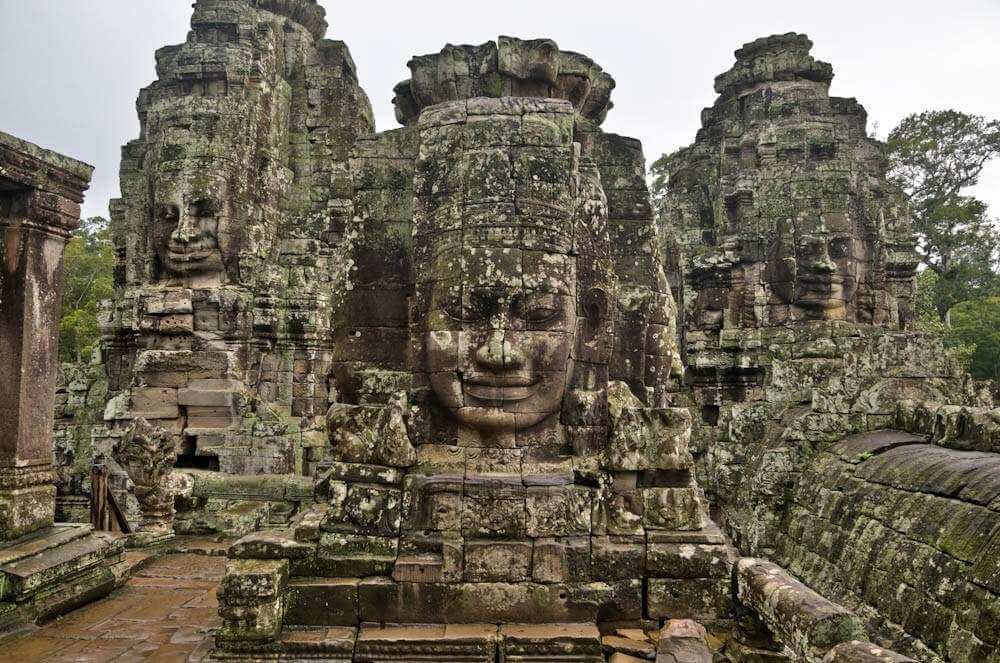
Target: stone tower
[[234, 202], [503, 446]]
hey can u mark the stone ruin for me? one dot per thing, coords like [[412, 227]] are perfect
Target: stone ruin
[[503, 448], [235, 199], [437, 376], [793, 261], [46, 568]]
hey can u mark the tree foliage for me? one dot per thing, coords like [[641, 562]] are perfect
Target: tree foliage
[[88, 278], [974, 334], [936, 156]]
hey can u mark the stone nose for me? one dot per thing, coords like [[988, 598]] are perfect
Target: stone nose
[[821, 260], [498, 354], [186, 230]]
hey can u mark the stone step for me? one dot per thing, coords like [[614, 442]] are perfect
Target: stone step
[[30, 574], [410, 643], [538, 643], [40, 541]]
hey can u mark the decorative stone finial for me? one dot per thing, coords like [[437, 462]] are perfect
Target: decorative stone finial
[[508, 67], [775, 58], [148, 454]]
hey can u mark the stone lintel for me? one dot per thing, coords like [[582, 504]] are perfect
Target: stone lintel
[[24, 165]]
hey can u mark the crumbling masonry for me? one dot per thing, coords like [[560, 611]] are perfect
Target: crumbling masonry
[[437, 377]]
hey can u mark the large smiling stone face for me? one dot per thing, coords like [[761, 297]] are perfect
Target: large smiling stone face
[[814, 266], [498, 353], [496, 278], [192, 213]]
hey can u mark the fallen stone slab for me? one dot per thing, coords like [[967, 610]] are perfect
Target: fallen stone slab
[[802, 619], [683, 641], [638, 648]]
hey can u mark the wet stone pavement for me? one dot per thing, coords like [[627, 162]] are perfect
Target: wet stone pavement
[[166, 613]]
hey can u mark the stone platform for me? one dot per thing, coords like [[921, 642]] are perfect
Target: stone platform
[[57, 569], [438, 643]]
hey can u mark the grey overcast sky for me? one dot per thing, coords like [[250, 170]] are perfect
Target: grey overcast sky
[[71, 69]]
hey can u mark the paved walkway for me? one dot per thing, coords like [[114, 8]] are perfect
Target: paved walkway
[[166, 613]]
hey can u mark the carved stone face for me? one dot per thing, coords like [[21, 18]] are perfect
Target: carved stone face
[[815, 268], [191, 217], [498, 353]]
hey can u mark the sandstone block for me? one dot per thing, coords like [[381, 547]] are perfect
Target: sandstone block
[[617, 557], [701, 598], [683, 641], [383, 600], [862, 652], [268, 545], [688, 560], [561, 560], [497, 560], [804, 621], [546, 642], [476, 643], [321, 602], [558, 510], [154, 403]]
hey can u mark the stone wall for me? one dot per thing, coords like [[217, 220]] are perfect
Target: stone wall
[[907, 534]]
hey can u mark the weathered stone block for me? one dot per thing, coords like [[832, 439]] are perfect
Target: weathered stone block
[[804, 621], [699, 599], [321, 602], [673, 508], [348, 556], [523, 643], [497, 561], [683, 641], [383, 600], [688, 560], [364, 509], [268, 545], [617, 557], [558, 510], [862, 652], [561, 560], [154, 403], [475, 643]]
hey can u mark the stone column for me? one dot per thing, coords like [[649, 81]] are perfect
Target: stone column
[[40, 196]]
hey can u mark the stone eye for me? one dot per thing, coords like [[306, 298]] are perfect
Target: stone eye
[[538, 309], [202, 208], [540, 314], [464, 313], [169, 213], [840, 248]]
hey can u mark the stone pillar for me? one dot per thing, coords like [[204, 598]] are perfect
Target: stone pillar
[[40, 196]]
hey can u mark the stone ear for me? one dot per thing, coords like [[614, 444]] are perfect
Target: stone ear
[[594, 307]]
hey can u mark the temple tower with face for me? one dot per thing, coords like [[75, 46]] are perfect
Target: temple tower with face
[[234, 202], [504, 446], [793, 258]]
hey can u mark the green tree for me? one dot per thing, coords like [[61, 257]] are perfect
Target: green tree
[[936, 156], [976, 323], [88, 278]]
